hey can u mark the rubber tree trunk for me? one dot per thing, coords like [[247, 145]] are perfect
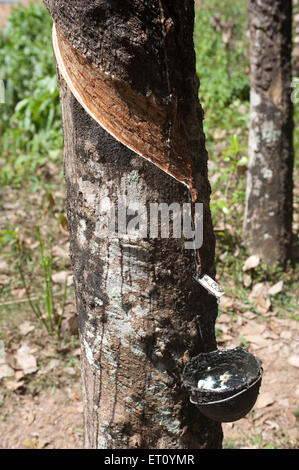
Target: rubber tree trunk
[[141, 314], [269, 193]]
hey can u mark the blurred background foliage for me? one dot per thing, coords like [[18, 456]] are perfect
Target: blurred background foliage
[[222, 55], [30, 121]]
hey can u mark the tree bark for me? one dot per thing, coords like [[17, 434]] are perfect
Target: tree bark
[[269, 193], [141, 314]]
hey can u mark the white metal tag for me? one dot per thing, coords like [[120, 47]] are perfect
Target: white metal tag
[[210, 285]]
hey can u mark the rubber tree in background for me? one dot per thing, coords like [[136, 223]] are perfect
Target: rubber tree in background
[[269, 192], [296, 38], [131, 65]]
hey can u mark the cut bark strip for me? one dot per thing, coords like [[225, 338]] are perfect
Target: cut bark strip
[[134, 120]]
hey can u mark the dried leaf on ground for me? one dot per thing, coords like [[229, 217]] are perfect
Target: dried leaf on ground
[[29, 418], [252, 329], [26, 360], [4, 279], [294, 360], [26, 328], [13, 385], [264, 399], [286, 335], [263, 304], [249, 315], [11, 360], [258, 289], [6, 371], [276, 288], [224, 318], [257, 340], [69, 370], [251, 263], [4, 268], [19, 293], [19, 374], [226, 302], [34, 443]]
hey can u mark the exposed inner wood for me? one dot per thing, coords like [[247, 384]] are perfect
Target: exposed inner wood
[[133, 119]]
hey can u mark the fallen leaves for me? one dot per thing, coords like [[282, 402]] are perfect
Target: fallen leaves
[[264, 400], [26, 328], [13, 385], [249, 315], [224, 318], [4, 268], [251, 263], [69, 323], [54, 364], [226, 302], [253, 329], [4, 279], [6, 371], [259, 289], [257, 342], [260, 294]]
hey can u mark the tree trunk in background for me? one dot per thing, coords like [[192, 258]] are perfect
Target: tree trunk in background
[[269, 193], [141, 315], [296, 38]]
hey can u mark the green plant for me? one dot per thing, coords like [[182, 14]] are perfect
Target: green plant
[[258, 440], [230, 444], [51, 320], [30, 120], [221, 67], [232, 182], [243, 342], [218, 333]]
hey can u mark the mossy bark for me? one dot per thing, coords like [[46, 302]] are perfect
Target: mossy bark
[[141, 314]]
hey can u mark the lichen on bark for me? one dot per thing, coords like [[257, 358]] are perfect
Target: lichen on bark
[[269, 192], [142, 316]]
